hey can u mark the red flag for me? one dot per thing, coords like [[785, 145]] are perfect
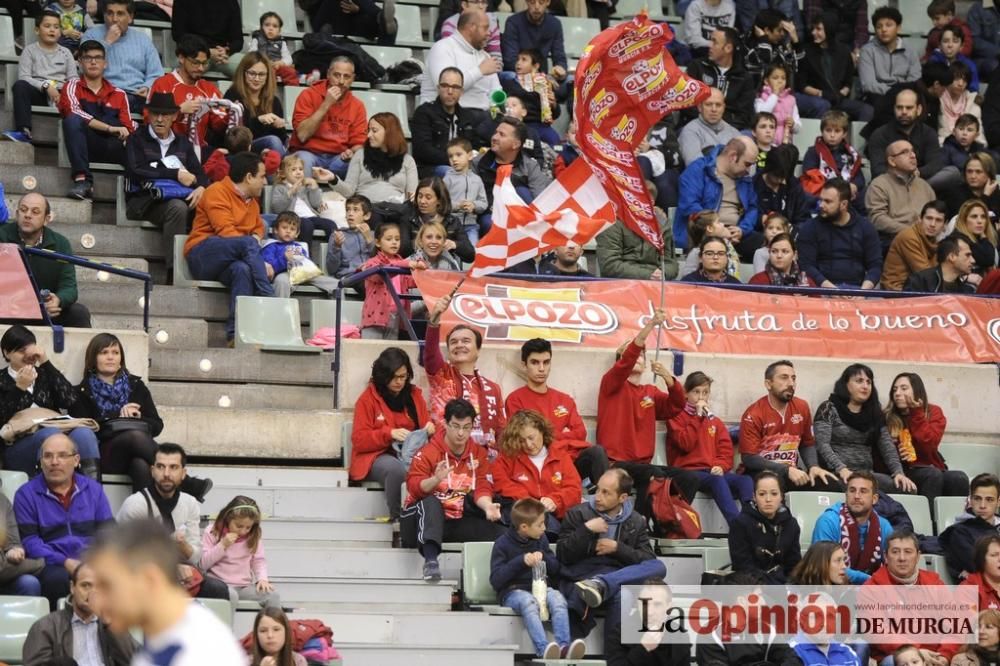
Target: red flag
[[625, 83], [574, 208]]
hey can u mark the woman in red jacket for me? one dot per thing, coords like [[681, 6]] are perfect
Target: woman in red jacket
[[387, 430], [529, 467], [698, 441], [916, 427]]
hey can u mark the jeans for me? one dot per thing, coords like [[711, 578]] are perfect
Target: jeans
[[25, 585], [22, 455], [236, 263], [631, 575], [309, 225], [173, 217], [74, 315], [25, 95], [268, 142], [409, 446], [54, 580], [136, 103], [84, 145], [325, 160], [524, 604], [472, 231], [811, 106], [390, 471], [721, 488]]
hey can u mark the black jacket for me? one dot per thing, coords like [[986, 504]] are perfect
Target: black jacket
[[257, 128], [713, 653], [52, 391], [737, 86], [218, 21], [507, 569], [991, 110], [790, 200], [51, 639], [959, 539], [86, 408], [634, 654], [958, 195], [765, 545], [576, 547], [812, 73], [430, 127], [409, 224], [930, 280], [144, 162], [924, 140]]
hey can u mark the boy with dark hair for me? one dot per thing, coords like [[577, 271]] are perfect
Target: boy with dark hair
[[964, 140], [238, 139], [949, 52], [885, 60], [515, 555], [778, 190], [763, 127], [351, 247], [773, 39], [73, 21], [278, 253], [942, 15], [977, 521], [831, 156]]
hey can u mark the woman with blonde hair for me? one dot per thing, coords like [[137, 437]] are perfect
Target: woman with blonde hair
[[979, 181], [974, 223], [254, 87]]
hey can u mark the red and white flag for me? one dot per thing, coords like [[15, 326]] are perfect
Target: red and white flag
[[574, 208]]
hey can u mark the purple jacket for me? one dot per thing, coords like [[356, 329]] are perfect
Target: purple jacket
[[51, 532]]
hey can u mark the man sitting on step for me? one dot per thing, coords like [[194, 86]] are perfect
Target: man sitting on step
[[179, 512], [56, 280]]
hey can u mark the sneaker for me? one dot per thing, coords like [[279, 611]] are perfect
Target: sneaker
[[396, 540], [575, 650], [552, 651], [199, 488], [432, 571], [592, 591], [82, 190], [19, 137]]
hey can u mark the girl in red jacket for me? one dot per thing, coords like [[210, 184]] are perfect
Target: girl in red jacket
[[698, 441], [916, 426], [387, 429], [529, 467]]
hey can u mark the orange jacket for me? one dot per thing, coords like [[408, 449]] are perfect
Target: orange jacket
[[223, 211], [345, 124], [371, 433], [518, 478]]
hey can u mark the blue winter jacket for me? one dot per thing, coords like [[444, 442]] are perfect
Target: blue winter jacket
[[701, 190], [507, 569], [849, 254], [48, 530], [827, 528]]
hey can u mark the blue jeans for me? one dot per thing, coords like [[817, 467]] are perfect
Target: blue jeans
[[325, 160], [811, 106], [472, 231], [22, 455], [23, 586], [633, 574], [409, 446], [524, 604], [721, 488], [269, 142], [236, 263], [84, 145]]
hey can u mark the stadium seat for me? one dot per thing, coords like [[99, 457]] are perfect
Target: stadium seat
[[290, 94], [807, 508], [377, 101], [120, 218], [270, 323], [806, 136], [971, 458], [182, 274], [629, 8], [916, 22], [221, 608], [859, 142], [476, 586], [919, 510], [345, 440], [502, 19], [945, 511], [410, 32], [17, 614], [387, 55], [323, 313], [7, 51], [10, 481], [577, 33], [938, 565]]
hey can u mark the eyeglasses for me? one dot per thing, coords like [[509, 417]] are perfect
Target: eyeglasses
[[905, 151], [198, 63], [459, 428], [450, 86], [714, 254], [92, 58], [256, 75], [49, 457], [749, 164]]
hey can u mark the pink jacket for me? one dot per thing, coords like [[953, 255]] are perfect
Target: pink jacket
[[782, 106], [235, 566], [379, 305], [166, 5]]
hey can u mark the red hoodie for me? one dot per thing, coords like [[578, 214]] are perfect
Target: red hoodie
[[697, 442], [925, 434], [627, 413], [468, 472], [371, 433], [924, 578], [988, 596], [559, 409], [518, 478]]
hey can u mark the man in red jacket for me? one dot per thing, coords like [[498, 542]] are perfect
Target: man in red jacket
[[627, 412], [450, 496], [901, 559], [558, 408]]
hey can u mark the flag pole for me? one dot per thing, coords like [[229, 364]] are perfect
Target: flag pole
[[663, 284]]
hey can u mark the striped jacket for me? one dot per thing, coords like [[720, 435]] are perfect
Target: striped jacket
[[109, 104]]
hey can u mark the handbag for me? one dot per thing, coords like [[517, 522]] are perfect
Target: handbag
[[164, 189], [112, 427]]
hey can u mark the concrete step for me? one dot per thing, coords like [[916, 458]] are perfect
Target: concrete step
[[225, 476], [240, 365], [12, 152], [314, 559], [126, 299], [243, 396], [352, 594], [180, 333], [131, 263], [64, 210], [253, 433], [425, 655], [105, 240], [350, 533], [52, 181], [44, 129], [304, 502]]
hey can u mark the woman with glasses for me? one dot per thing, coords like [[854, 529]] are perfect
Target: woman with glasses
[[782, 269], [32, 381], [254, 87], [713, 263]]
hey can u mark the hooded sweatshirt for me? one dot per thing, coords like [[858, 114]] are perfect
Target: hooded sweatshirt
[[769, 546], [959, 539], [467, 477]]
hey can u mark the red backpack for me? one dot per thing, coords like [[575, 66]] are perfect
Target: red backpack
[[675, 519]]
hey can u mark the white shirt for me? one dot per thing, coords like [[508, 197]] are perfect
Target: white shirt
[[186, 516], [86, 644], [538, 460], [164, 143], [198, 639], [30, 389], [454, 51]]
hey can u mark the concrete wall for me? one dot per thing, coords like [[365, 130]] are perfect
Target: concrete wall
[[968, 394], [70, 361]]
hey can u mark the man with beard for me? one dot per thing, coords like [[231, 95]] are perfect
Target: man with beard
[[723, 69], [776, 435], [906, 126], [179, 512], [464, 50], [895, 199], [505, 149], [856, 525], [839, 248]]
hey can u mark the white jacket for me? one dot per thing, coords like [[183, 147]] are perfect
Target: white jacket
[[186, 515], [454, 51]]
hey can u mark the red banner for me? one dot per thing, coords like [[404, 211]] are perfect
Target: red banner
[[17, 296], [938, 329], [626, 82]]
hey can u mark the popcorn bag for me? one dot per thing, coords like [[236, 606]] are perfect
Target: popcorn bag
[[301, 269], [540, 589]]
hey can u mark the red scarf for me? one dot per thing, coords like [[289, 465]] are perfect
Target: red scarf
[[869, 558], [488, 420], [828, 164]]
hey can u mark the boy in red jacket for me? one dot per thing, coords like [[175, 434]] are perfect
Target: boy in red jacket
[[627, 411], [450, 496], [698, 440], [558, 408]]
